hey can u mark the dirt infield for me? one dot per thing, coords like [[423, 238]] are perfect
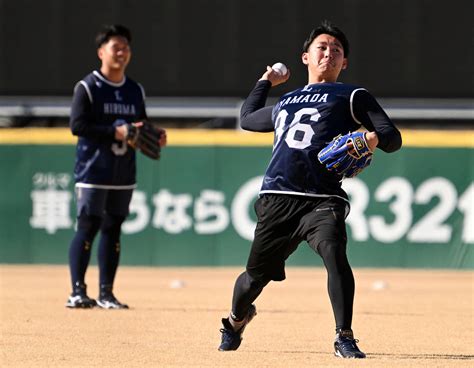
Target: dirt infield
[[403, 318]]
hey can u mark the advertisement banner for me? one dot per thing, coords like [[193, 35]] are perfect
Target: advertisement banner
[[413, 208]]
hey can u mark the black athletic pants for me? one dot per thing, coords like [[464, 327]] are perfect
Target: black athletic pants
[[285, 221]]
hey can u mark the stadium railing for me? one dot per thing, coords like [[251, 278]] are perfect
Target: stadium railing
[[21, 111]]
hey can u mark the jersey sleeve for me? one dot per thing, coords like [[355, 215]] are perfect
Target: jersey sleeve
[[370, 114], [82, 119], [254, 116], [142, 115]]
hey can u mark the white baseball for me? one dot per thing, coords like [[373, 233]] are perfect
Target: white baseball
[[177, 284], [280, 68], [379, 285]]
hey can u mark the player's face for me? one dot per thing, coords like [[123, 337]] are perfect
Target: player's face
[[116, 53], [325, 58]]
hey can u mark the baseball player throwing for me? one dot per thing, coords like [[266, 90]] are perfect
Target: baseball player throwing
[[301, 198]]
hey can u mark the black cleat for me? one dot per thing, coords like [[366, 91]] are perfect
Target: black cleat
[[345, 345], [107, 299], [79, 298], [231, 339]]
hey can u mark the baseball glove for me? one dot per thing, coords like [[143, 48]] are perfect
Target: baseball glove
[[347, 155], [145, 138]]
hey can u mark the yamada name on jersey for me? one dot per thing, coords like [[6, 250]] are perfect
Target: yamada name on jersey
[[306, 98]]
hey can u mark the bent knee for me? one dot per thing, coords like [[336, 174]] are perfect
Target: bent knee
[[256, 282]]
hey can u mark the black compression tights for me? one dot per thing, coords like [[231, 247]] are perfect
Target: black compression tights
[[81, 245], [109, 248], [246, 290], [340, 286], [340, 282]]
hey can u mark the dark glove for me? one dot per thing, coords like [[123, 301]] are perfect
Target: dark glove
[[145, 138]]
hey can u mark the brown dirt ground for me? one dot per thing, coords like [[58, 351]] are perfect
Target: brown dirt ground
[[420, 318]]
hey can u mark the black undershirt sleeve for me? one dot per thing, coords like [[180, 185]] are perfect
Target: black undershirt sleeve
[[373, 118], [254, 116], [81, 119], [143, 115]]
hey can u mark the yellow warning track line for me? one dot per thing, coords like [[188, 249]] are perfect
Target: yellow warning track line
[[198, 137]]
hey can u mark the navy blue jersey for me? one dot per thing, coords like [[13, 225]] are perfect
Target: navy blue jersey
[[98, 106], [304, 122]]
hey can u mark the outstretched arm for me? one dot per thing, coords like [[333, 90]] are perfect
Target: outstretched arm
[[383, 133]]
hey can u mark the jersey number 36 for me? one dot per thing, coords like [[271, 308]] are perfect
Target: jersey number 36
[[298, 135]]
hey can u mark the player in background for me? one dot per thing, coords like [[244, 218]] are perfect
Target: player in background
[[299, 198], [104, 102]]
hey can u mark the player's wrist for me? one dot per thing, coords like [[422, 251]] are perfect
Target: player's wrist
[[372, 140]]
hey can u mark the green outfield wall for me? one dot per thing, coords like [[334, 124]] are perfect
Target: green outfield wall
[[414, 208]]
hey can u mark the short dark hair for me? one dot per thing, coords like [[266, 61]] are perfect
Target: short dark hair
[[109, 31], [326, 27]]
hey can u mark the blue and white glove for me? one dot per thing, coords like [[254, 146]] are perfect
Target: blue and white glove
[[347, 155]]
